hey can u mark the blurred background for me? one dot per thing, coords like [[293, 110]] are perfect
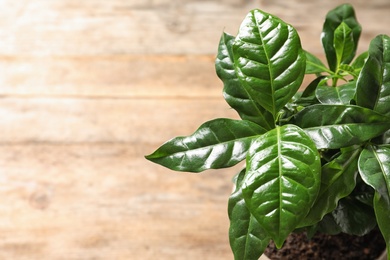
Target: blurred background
[[87, 88]]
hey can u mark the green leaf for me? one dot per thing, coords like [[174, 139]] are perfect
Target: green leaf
[[385, 138], [247, 239], [343, 43], [310, 90], [337, 126], [328, 225], [269, 60], [366, 196], [345, 69], [215, 144], [354, 217], [282, 180], [343, 13], [338, 179], [382, 213], [308, 96], [341, 95], [373, 85], [235, 94], [314, 65], [358, 63], [374, 168]]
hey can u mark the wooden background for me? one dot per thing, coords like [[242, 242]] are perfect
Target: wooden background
[[87, 88]]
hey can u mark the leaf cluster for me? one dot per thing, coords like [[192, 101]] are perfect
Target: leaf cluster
[[316, 160]]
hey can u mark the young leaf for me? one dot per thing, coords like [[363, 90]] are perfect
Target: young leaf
[[338, 179], [343, 44], [235, 94], [215, 144], [282, 180], [341, 95], [373, 85], [348, 69], [269, 60], [314, 65], [337, 126], [343, 13], [247, 239]]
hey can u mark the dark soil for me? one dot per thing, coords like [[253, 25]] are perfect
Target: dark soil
[[321, 246]]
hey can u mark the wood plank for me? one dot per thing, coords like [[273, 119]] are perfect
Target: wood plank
[[104, 201], [110, 76], [88, 88], [74, 63], [117, 77], [97, 28], [192, 27], [134, 121]]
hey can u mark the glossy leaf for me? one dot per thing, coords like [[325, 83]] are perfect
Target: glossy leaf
[[358, 63], [215, 144], [353, 217], [235, 94], [341, 95], [382, 213], [282, 180], [385, 138], [247, 239], [310, 90], [338, 179], [343, 13], [343, 44], [269, 60], [308, 96], [373, 85], [336, 126], [314, 65], [374, 168]]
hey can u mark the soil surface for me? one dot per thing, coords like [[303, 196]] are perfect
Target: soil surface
[[322, 246]]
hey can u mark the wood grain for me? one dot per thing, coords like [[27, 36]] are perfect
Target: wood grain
[[132, 121], [91, 28], [87, 88], [125, 76], [102, 201]]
